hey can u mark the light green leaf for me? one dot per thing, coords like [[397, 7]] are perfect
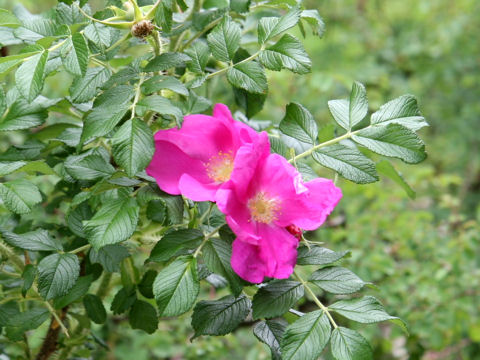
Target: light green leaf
[[249, 76], [269, 27], [8, 19], [75, 55], [299, 123], [224, 39], [38, 240], [287, 53], [8, 167], [99, 34], [337, 280], [19, 196], [402, 110], [316, 255], [393, 140], [143, 316], [348, 162], [348, 113], [113, 223], [220, 317], [176, 287], [84, 88], [23, 115], [160, 82], [347, 344], [386, 168], [57, 273], [161, 105], [199, 54], [166, 61], [30, 76], [271, 332], [276, 298], [306, 337], [133, 146]]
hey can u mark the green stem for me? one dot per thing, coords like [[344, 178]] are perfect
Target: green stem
[[221, 71], [80, 249], [315, 299], [200, 33], [207, 237], [137, 95], [10, 255]]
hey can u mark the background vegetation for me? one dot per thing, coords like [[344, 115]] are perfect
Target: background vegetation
[[424, 253]]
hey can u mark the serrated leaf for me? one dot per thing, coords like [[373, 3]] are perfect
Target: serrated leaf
[[89, 166], [99, 34], [199, 53], [38, 240], [173, 241], [57, 274], [220, 317], [109, 256], [20, 322], [8, 167], [143, 316], [102, 120], [30, 76], [299, 123], [217, 254], [269, 27], [94, 308], [316, 255], [270, 332], [287, 53], [23, 115], [306, 337], [84, 88], [161, 105], [249, 76], [337, 280], [393, 140], [224, 39], [347, 344], [348, 113], [114, 222], [276, 298], [313, 18], [348, 161], [69, 14], [75, 55], [166, 61], [176, 287], [76, 217], [19, 196], [76, 292], [386, 168], [159, 82], [133, 146], [364, 310], [402, 110], [163, 17]]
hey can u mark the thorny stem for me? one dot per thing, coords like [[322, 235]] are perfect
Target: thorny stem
[[315, 299], [207, 237]]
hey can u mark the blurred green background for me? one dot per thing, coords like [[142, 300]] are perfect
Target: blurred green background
[[423, 254]]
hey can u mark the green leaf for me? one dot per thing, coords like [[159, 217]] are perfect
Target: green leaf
[[9, 62], [347, 344], [364, 310], [38, 166], [18, 323], [159, 82], [199, 53], [176, 287], [84, 88], [161, 105], [99, 34], [38, 240], [75, 55], [402, 110], [8, 167], [89, 166], [28, 275], [143, 316], [348, 113], [19, 196], [113, 223], [393, 140], [8, 19], [316, 255], [109, 256], [146, 285], [219, 317], [269, 27], [69, 15], [163, 17], [30, 76], [270, 332], [57, 273], [75, 218], [249, 76], [123, 300], [23, 115], [94, 308], [313, 18], [173, 241], [76, 292], [251, 103], [386, 168], [224, 39], [217, 254], [348, 161], [337, 280], [276, 298], [166, 61], [299, 123], [133, 146], [287, 53], [240, 6], [306, 337]]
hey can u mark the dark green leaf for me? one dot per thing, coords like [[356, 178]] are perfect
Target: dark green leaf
[[224, 39], [38, 240], [166, 61], [299, 123], [27, 320], [109, 256], [19, 196], [271, 332], [159, 82], [28, 275], [88, 166], [249, 76], [176, 286], [199, 54], [337, 280], [146, 285], [30, 76], [57, 273], [240, 6], [76, 292], [161, 105], [276, 298], [287, 53], [220, 317], [316, 255], [143, 316], [23, 115], [94, 308], [85, 88], [172, 242], [123, 300], [347, 344], [77, 216], [402, 110]]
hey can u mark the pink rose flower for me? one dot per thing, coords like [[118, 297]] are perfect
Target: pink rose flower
[[199, 158], [267, 212]]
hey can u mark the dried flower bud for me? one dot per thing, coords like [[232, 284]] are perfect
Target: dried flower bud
[[142, 29]]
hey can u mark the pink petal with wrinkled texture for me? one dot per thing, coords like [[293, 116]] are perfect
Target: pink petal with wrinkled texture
[[246, 261]]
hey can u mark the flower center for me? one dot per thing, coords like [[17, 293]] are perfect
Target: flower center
[[220, 167], [263, 209]]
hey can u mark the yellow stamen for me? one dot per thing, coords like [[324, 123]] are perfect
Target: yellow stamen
[[264, 209], [220, 167]]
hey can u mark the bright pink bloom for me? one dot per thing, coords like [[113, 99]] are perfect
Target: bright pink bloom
[[199, 158], [267, 211]]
